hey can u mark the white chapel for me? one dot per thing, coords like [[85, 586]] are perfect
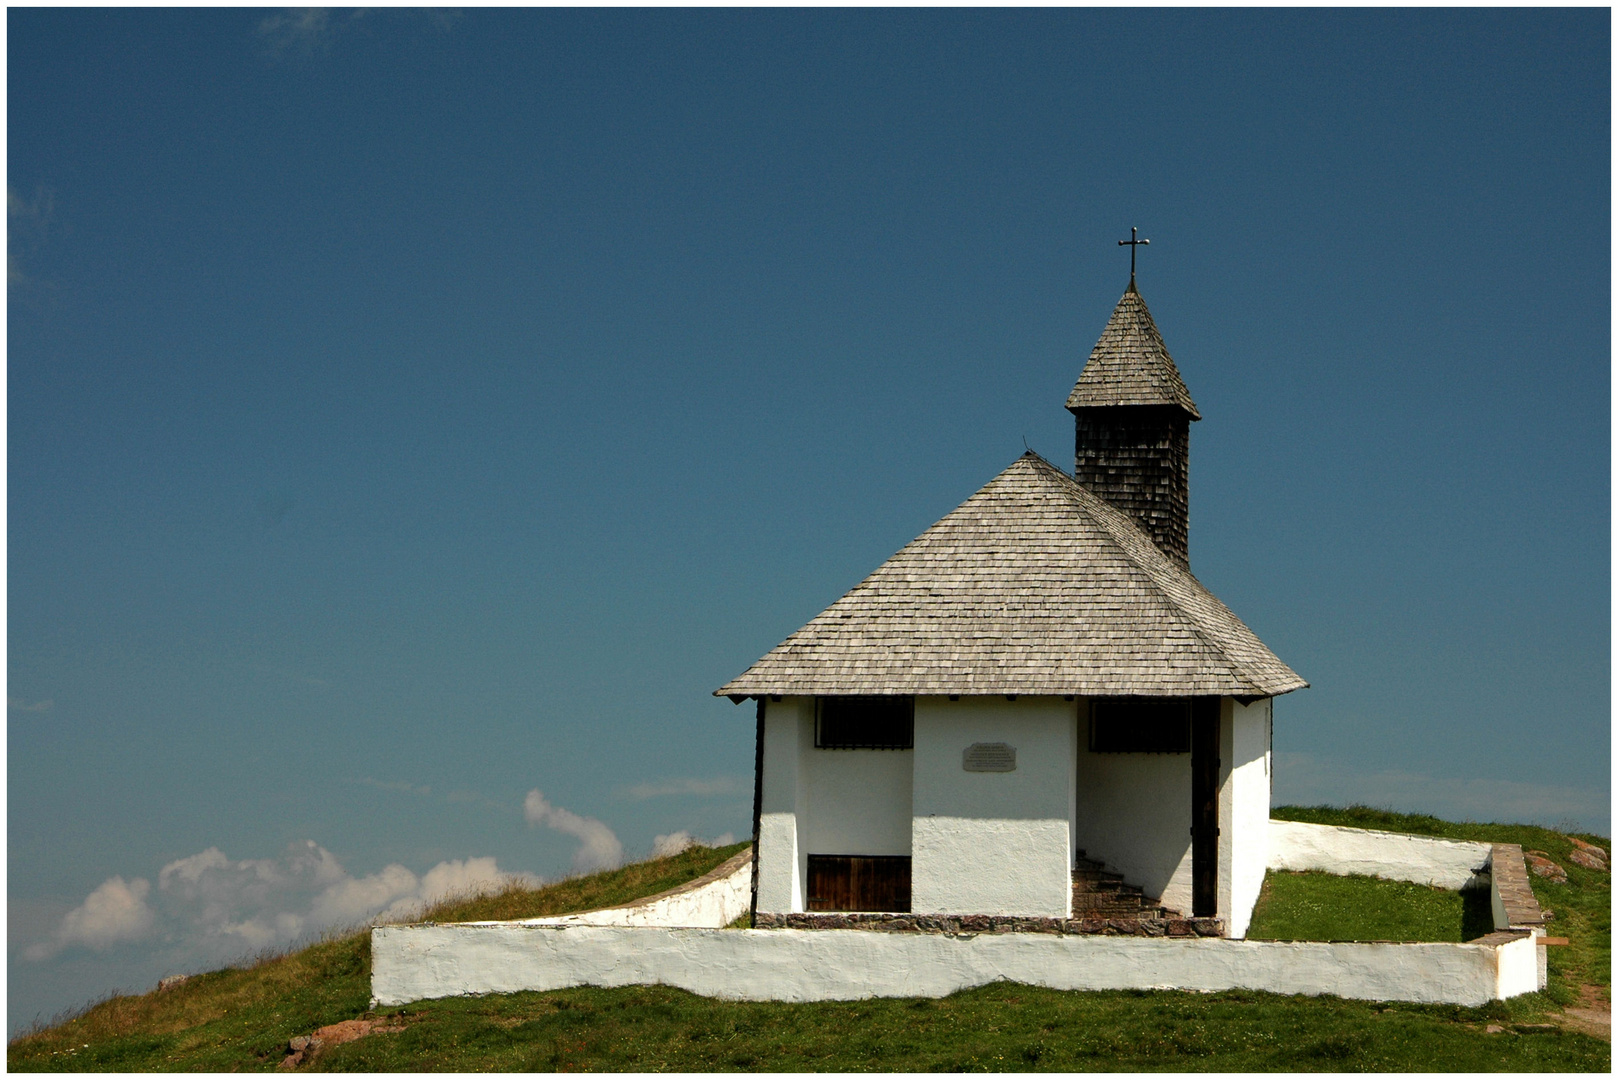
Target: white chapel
[[1033, 710]]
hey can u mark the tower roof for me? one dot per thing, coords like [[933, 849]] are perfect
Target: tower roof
[[1130, 365], [1032, 586]]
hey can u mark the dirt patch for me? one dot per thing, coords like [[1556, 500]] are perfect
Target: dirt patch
[[1592, 1015], [305, 1047]]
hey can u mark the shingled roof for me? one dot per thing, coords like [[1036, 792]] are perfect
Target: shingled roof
[[1130, 365], [1032, 586]]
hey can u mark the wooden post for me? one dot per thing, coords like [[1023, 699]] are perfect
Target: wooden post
[[758, 803], [1205, 806]]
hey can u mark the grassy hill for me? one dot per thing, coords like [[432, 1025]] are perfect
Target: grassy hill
[[244, 1019]]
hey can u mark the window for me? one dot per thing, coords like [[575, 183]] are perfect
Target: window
[[865, 723], [1140, 725]]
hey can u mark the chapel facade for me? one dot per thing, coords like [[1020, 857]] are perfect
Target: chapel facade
[[1033, 709]]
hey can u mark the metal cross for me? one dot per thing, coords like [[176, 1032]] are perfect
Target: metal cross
[[1133, 244]]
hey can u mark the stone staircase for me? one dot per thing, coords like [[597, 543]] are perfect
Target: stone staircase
[[1100, 894]]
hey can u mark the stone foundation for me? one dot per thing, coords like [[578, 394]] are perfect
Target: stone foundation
[[901, 923]]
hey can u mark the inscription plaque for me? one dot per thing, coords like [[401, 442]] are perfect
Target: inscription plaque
[[989, 757]]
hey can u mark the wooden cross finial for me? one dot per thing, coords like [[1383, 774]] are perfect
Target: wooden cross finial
[[1133, 244]]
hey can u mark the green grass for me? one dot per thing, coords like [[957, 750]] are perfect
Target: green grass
[[999, 1027], [242, 1019], [587, 893], [1582, 907], [1313, 906]]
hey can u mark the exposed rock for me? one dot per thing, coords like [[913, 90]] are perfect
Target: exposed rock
[[169, 982], [1542, 866], [1589, 861], [1589, 849], [304, 1046]]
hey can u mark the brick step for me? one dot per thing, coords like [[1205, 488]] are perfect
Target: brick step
[[1099, 893]]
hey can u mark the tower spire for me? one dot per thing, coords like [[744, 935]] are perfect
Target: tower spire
[[1132, 416]]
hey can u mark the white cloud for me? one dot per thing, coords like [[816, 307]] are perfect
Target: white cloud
[[675, 842], [397, 785], [209, 909], [1304, 779], [115, 912], [27, 222], [671, 844], [304, 28], [688, 785], [599, 848], [352, 899]]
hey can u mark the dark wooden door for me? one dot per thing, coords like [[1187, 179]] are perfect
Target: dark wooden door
[[1205, 806], [858, 883]]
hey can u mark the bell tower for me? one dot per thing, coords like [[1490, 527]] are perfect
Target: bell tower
[[1132, 416]]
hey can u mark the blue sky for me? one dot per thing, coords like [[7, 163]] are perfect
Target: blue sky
[[410, 412]]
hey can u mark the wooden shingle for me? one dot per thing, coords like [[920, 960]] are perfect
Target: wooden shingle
[[1034, 585], [1130, 365]]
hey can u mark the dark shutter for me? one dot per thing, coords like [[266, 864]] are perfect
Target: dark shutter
[[1140, 725], [865, 723]]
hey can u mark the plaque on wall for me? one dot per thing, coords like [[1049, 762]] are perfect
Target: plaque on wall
[[989, 757]]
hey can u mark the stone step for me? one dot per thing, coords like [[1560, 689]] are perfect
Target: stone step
[[1099, 893]]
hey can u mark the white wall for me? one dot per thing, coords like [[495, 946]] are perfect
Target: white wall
[[993, 843], [1244, 810], [716, 899], [780, 862], [1133, 813], [1449, 864], [409, 963], [823, 802], [859, 801]]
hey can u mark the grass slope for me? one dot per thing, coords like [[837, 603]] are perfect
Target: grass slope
[[1313, 906], [243, 1019], [585, 893], [1583, 906]]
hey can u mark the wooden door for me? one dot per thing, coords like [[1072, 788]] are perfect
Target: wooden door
[[858, 883]]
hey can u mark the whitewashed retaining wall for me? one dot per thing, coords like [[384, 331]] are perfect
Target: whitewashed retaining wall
[[713, 900], [409, 963], [1449, 864]]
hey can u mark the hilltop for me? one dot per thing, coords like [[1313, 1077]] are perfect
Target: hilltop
[[246, 1018]]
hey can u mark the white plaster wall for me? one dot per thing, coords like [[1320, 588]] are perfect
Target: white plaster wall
[[1520, 968], [780, 857], [1133, 813], [1449, 864], [1246, 824], [993, 843], [858, 802], [414, 962], [715, 903]]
